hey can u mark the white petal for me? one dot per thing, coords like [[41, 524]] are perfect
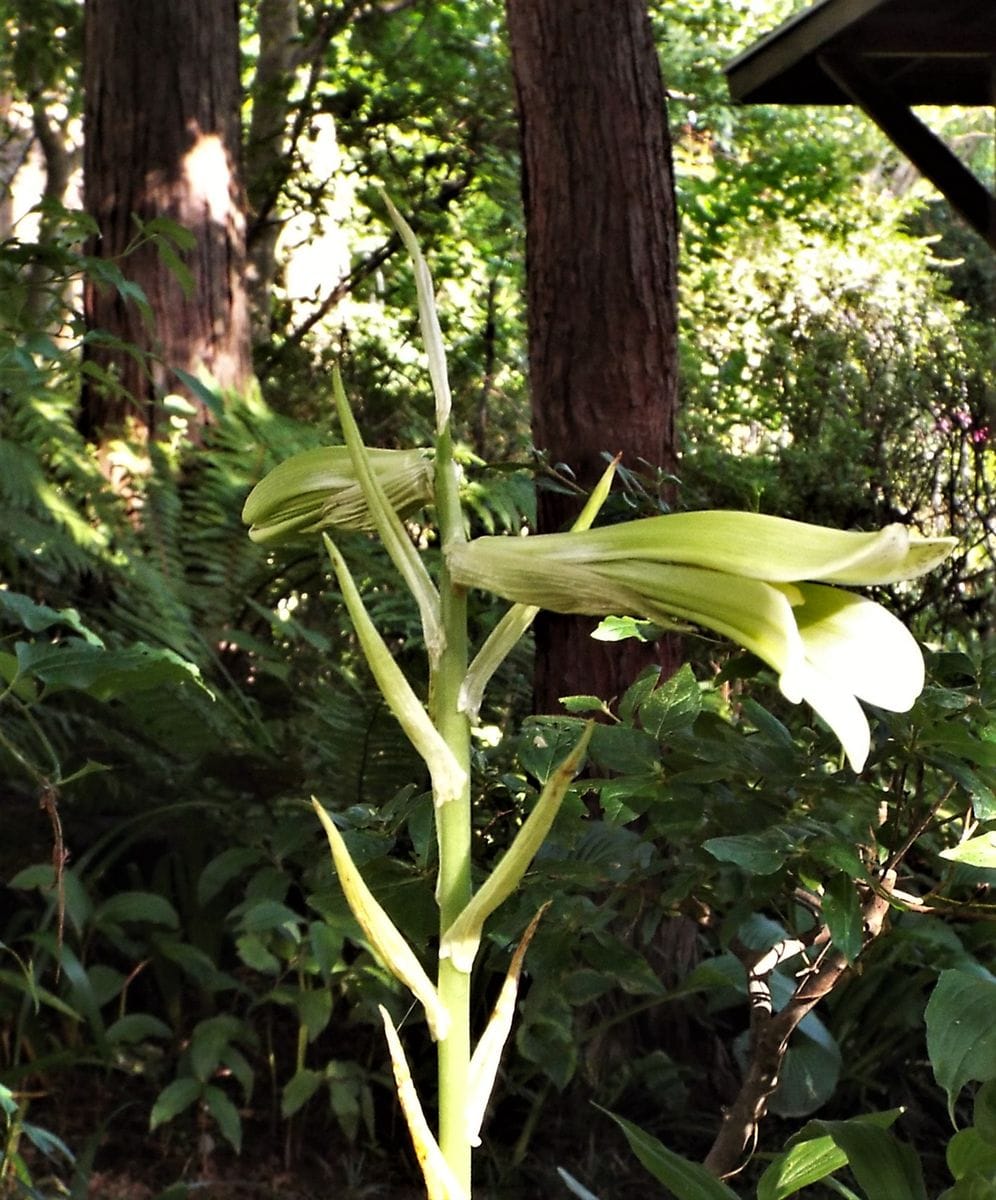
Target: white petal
[[836, 705], [861, 646]]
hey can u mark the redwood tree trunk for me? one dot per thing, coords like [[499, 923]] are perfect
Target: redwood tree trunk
[[601, 250], [162, 139]]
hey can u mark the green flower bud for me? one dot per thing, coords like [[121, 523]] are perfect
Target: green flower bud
[[318, 489]]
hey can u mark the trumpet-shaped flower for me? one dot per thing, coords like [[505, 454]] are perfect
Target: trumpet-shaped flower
[[319, 489], [759, 580]]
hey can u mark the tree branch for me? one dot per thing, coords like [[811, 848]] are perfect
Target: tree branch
[[770, 1032]]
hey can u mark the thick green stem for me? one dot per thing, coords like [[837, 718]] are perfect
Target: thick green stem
[[453, 816]]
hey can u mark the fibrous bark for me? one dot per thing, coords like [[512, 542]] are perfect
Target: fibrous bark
[[601, 275], [162, 139]]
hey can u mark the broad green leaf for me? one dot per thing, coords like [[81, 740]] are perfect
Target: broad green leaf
[[254, 953], [546, 742], [137, 1027], [173, 1099], [683, 1179], [148, 907], [619, 629], [882, 1165], [104, 674], [672, 706], [267, 915], [809, 1159], [969, 1153], [757, 853], [842, 913], [227, 1116], [314, 1007], [38, 617], [984, 1111], [209, 1039], [546, 1036], [971, 1187], [961, 1032], [299, 1089], [976, 852], [223, 868], [809, 1073]]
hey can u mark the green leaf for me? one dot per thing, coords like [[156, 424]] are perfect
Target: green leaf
[[685, 1180], [757, 853], [254, 954], [223, 868], [211, 399], [809, 1072], [461, 940], [984, 1111], [227, 1116], [314, 1008], [173, 1099], [583, 704], [969, 1153], [546, 742], [972, 1187], [961, 1033], [209, 1040], [137, 906], [299, 1089], [50, 1144], [808, 1159], [842, 913], [38, 617], [104, 674], [618, 629], [672, 706], [267, 915], [137, 1027], [882, 1165], [976, 852]]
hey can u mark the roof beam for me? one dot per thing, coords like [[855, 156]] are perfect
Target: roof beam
[[975, 203]]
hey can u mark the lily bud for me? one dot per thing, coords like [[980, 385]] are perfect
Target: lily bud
[[318, 489], [743, 575]]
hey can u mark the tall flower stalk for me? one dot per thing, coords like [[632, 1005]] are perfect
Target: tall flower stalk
[[769, 584]]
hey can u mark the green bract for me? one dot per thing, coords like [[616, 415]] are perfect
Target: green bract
[[742, 575], [319, 489]]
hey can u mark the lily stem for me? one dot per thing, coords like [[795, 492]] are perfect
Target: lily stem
[[453, 817]]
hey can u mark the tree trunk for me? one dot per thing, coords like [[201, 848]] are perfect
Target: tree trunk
[[601, 250], [162, 139], [267, 164]]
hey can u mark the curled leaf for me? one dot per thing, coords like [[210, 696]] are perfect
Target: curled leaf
[[448, 777], [440, 1182], [385, 937], [461, 940], [486, 1058]]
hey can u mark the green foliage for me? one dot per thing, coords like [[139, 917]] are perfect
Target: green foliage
[[182, 692]]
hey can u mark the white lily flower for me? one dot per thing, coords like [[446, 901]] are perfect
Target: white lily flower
[[748, 577]]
